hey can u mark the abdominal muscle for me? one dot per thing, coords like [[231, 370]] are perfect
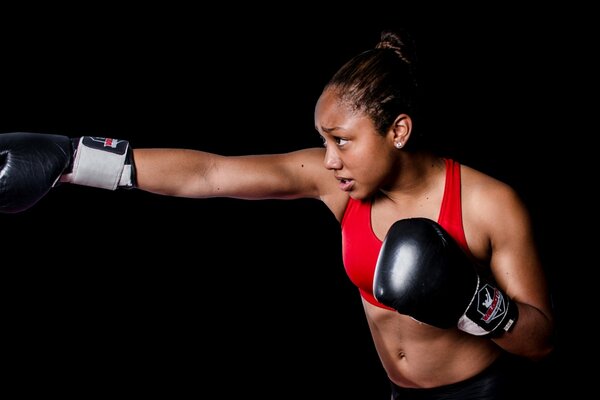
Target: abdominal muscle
[[417, 355]]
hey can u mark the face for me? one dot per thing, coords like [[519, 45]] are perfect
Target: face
[[360, 158]]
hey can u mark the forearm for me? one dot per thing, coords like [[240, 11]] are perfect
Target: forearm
[[532, 335], [174, 172]]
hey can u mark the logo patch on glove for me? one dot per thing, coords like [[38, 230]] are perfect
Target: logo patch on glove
[[490, 303], [106, 144]]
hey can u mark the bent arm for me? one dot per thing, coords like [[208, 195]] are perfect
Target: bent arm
[[517, 268], [197, 174]]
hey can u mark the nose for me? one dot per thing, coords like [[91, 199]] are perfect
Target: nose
[[332, 159]]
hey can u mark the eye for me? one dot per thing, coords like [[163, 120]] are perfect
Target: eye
[[340, 141]]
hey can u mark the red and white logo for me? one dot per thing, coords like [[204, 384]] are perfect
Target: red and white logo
[[490, 303]]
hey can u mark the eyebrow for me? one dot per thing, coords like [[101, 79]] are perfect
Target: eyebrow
[[329, 130]]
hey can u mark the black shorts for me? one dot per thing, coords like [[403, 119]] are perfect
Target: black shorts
[[498, 381]]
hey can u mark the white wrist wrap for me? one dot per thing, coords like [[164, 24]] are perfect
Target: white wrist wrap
[[100, 162]]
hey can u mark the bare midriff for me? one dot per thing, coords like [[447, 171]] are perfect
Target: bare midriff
[[417, 355]]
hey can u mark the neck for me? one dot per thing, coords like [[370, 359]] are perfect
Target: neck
[[414, 175]]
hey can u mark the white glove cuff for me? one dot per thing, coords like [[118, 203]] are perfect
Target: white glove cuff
[[100, 162]]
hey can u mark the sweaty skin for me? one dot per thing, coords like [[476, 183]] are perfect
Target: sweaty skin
[[359, 162]]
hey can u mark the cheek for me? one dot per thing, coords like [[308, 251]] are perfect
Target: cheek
[[374, 165], [379, 170]]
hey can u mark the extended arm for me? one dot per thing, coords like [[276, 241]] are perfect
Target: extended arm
[[192, 173], [32, 163]]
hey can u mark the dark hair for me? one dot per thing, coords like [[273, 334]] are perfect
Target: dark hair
[[381, 82]]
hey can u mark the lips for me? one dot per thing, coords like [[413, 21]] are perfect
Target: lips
[[346, 184]]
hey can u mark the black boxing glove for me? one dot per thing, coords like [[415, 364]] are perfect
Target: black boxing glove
[[422, 272], [32, 163]]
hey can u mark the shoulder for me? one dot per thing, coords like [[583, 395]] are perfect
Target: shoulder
[[311, 163], [483, 192], [491, 208]]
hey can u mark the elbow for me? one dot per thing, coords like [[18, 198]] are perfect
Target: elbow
[[540, 353], [542, 347], [534, 343], [538, 338]]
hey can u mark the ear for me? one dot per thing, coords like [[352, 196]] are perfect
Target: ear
[[401, 130]]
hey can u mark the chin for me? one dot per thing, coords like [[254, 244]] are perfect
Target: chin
[[358, 195]]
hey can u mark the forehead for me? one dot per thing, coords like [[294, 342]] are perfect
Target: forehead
[[330, 111]]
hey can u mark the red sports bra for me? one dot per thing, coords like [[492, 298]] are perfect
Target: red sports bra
[[360, 246]]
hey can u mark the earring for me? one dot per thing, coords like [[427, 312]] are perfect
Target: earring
[[398, 145]]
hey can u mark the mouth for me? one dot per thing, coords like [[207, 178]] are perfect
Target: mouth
[[345, 184]]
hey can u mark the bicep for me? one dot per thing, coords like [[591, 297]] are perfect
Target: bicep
[[515, 260], [278, 176]]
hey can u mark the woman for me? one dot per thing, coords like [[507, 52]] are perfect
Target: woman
[[373, 158], [374, 170]]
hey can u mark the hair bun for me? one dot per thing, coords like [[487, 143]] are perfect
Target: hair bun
[[401, 44]]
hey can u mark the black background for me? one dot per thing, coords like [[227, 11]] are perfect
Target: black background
[[129, 292]]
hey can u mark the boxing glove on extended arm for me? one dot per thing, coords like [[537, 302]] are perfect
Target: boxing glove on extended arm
[[422, 272], [32, 163]]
